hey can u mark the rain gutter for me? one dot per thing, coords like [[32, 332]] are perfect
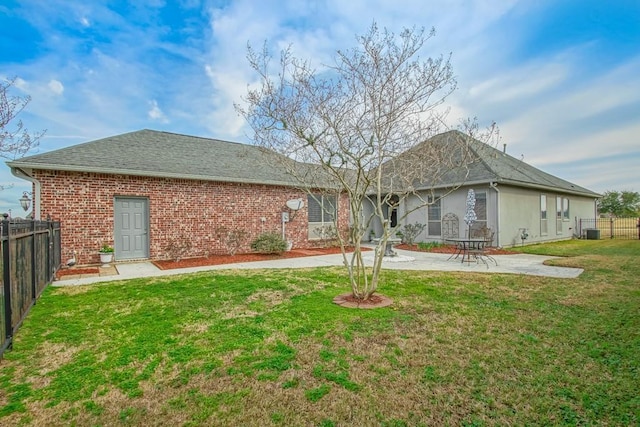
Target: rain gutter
[[495, 187], [35, 207]]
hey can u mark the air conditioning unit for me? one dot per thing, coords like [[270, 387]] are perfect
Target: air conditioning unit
[[593, 234]]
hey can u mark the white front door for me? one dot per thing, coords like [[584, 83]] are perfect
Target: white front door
[[131, 228]]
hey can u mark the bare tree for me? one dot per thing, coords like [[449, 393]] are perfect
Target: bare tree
[[360, 127], [15, 139]]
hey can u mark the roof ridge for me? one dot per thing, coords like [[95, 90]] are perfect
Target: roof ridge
[[70, 147], [155, 152], [476, 145], [191, 136]]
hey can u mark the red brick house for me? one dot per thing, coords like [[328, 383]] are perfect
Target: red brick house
[[144, 190]]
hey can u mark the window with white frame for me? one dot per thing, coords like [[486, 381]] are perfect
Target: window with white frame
[[322, 211], [544, 227], [434, 216], [565, 209]]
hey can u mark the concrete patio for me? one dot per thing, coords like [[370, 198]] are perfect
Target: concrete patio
[[513, 264]]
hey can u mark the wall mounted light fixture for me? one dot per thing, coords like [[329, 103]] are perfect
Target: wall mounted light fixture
[[25, 201]]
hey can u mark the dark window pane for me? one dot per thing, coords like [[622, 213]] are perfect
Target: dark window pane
[[329, 208], [435, 228], [321, 208], [434, 217], [315, 211]]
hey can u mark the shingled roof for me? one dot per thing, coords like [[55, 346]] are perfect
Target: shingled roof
[[505, 169], [494, 166], [163, 154]]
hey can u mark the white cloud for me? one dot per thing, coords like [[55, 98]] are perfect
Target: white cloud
[[319, 30], [554, 109], [520, 83], [56, 87], [602, 174], [155, 113], [21, 84], [577, 120], [548, 108]]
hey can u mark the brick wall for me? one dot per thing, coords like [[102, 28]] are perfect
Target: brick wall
[[178, 209]]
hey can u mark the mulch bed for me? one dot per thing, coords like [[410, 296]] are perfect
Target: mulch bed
[[295, 253], [229, 259], [76, 271], [374, 301], [450, 249]]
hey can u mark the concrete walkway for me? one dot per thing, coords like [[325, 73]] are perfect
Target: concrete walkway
[[515, 264]]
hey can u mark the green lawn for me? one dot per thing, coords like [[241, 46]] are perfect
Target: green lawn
[[264, 348]]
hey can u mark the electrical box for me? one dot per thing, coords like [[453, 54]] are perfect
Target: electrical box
[[285, 216]]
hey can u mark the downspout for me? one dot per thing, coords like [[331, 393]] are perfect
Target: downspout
[[495, 187], [35, 208]]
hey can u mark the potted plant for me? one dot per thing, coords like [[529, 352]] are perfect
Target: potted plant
[[106, 255]]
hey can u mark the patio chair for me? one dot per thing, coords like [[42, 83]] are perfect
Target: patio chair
[[483, 232], [479, 252]]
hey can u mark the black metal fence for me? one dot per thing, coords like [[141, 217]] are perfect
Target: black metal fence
[[610, 228], [29, 257]]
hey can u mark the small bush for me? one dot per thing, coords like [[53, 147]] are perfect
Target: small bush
[[231, 238], [328, 234], [269, 243], [427, 246], [411, 231], [178, 247]]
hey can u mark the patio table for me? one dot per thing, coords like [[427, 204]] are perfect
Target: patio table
[[471, 247]]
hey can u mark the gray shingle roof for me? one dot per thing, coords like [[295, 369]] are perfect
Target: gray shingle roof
[[164, 154], [492, 165]]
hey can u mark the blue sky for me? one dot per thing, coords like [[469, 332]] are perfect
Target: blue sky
[[561, 78]]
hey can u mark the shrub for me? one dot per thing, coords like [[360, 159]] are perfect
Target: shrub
[[178, 247], [328, 234], [269, 243], [427, 246], [411, 231], [232, 238]]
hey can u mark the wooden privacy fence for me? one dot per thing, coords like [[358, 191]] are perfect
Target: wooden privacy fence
[[610, 228], [29, 257]]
